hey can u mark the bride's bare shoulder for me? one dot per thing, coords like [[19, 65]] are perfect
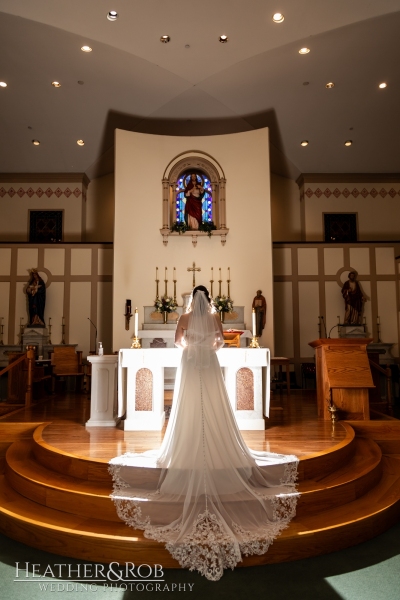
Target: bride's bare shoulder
[[183, 320]]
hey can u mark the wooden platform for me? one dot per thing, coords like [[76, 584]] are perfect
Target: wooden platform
[[55, 486]]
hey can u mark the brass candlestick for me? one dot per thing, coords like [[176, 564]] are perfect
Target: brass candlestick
[[212, 281], [228, 281], [157, 282], [50, 342], [220, 282], [136, 345], [254, 342]]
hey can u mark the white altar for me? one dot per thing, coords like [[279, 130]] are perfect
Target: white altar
[[141, 385]]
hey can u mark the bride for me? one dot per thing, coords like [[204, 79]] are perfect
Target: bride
[[215, 498]]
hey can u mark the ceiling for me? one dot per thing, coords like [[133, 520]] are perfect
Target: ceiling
[[258, 79]]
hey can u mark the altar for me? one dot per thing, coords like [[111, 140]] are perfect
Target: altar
[[141, 385]]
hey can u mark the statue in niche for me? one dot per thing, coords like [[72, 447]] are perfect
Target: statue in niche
[[354, 298], [194, 193], [36, 292], [260, 306]]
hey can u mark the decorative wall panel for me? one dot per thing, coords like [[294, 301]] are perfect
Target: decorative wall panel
[[244, 389], [144, 390]]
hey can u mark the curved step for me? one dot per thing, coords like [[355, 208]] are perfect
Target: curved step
[[311, 466], [107, 541], [85, 498]]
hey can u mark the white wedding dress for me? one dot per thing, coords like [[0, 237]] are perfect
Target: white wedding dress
[[215, 499]]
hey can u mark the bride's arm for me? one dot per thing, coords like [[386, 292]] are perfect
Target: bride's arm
[[179, 334]]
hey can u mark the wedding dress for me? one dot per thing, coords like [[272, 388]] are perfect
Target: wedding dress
[[215, 499]]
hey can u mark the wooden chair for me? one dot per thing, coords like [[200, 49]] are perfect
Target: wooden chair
[[67, 363]]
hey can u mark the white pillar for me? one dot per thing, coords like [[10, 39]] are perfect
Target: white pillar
[[104, 391]]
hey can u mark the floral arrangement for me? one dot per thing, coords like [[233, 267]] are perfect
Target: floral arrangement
[[208, 227], [166, 304], [223, 304], [179, 226]]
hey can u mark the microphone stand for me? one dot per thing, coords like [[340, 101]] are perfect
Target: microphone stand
[[95, 339]]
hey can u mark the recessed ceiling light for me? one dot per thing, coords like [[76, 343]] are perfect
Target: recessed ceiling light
[[382, 85], [348, 142], [187, 45], [304, 50], [112, 15], [330, 85], [223, 39], [278, 18], [3, 84], [86, 49], [56, 84], [36, 142], [165, 39], [80, 142], [304, 143]]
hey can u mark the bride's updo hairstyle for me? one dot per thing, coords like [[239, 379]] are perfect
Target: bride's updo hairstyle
[[198, 288]]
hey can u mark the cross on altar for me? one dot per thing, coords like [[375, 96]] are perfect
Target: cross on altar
[[194, 269]]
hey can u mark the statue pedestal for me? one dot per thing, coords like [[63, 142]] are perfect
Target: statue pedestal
[[35, 335], [352, 331]]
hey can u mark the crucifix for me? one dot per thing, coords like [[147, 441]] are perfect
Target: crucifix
[[194, 269]]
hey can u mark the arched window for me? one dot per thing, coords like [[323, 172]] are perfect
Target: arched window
[[194, 198]]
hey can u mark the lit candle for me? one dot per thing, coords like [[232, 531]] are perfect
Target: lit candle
[[174, 274], [220, 272], [253, 315], [212, 272], [165, 272], [229, 272], [136, 322], [156, 273]]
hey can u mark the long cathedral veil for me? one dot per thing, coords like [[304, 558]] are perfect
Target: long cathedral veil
[[214, 499]]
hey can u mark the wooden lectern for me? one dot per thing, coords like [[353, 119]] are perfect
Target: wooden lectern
[[343, 369]]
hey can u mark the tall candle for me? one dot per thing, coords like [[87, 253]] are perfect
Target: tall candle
[[156, 273], [229, 272], [174, 274], [136, 322], [253, 315], [212, 272], [220, 272], [165, 273]]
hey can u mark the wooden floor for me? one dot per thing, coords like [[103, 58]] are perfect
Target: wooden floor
[[55, 487]]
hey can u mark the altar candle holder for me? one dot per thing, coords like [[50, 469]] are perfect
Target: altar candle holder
[[1, 331], [128, 314], [212, 282], [228, 281], [220, 282], [136, 345], [174, 280], [157, 282], [254, 341]]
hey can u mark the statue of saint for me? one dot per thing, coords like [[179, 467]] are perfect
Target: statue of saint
[[260, 306], [353, 300], [194, 193], [36, 292]]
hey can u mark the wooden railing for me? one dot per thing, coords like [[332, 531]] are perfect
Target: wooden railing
[[389, 394], [29, 356]]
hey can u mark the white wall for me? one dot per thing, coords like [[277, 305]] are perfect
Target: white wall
[[100, 210], [140, 163], [285, 209]]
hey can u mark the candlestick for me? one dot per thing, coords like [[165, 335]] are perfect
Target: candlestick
[[220, 282], [229, 282], [166, 284], [136, 322], [174, 280], [212, 281]]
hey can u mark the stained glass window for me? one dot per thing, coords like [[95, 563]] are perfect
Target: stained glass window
[[184, 185]]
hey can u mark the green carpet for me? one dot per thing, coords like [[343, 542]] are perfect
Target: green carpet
[[369, 571]]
